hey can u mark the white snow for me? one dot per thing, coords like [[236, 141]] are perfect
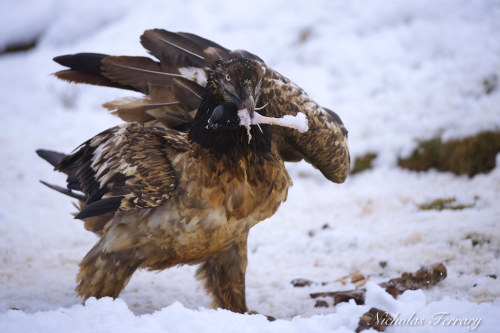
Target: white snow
[[395, 71]]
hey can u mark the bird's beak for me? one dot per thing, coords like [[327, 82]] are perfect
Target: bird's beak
[[248, 99]]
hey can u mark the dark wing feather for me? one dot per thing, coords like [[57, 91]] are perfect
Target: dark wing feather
[[84, 62], [53, 157], [180, 49], [96, 80], [99, 207], [172, 48], [202, 43], [173, 86], [137, 72], [124, 168], [63, 190], [188, 92], [145, 111], [159, 108], [85, 68]]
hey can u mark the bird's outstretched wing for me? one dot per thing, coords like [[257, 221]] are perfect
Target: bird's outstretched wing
[[123, 168], [174, 83], [324, 145]]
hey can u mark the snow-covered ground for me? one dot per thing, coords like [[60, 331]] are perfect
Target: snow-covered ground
[[395, 71]]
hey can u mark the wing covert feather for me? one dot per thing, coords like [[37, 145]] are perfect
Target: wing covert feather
[[125, 168]]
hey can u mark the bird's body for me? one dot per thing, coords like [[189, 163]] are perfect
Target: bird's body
[[172, 186], [212, 205], [210, 200]]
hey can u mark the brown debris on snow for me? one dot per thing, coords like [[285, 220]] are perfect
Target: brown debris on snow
[[377, 319], [425, 277]]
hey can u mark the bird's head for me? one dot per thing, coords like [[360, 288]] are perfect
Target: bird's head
[[235, 85], [227, 114]]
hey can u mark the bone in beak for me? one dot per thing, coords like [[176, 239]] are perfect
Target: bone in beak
[[298, 122]]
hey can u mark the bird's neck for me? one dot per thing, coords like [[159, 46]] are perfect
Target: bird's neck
[[229, 143]]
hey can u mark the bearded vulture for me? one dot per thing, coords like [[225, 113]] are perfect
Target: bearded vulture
[[198, 161]]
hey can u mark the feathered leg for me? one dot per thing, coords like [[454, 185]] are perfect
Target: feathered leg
[[224, 277], [106, 273]]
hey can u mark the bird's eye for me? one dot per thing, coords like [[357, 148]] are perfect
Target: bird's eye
[[228, 78]]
